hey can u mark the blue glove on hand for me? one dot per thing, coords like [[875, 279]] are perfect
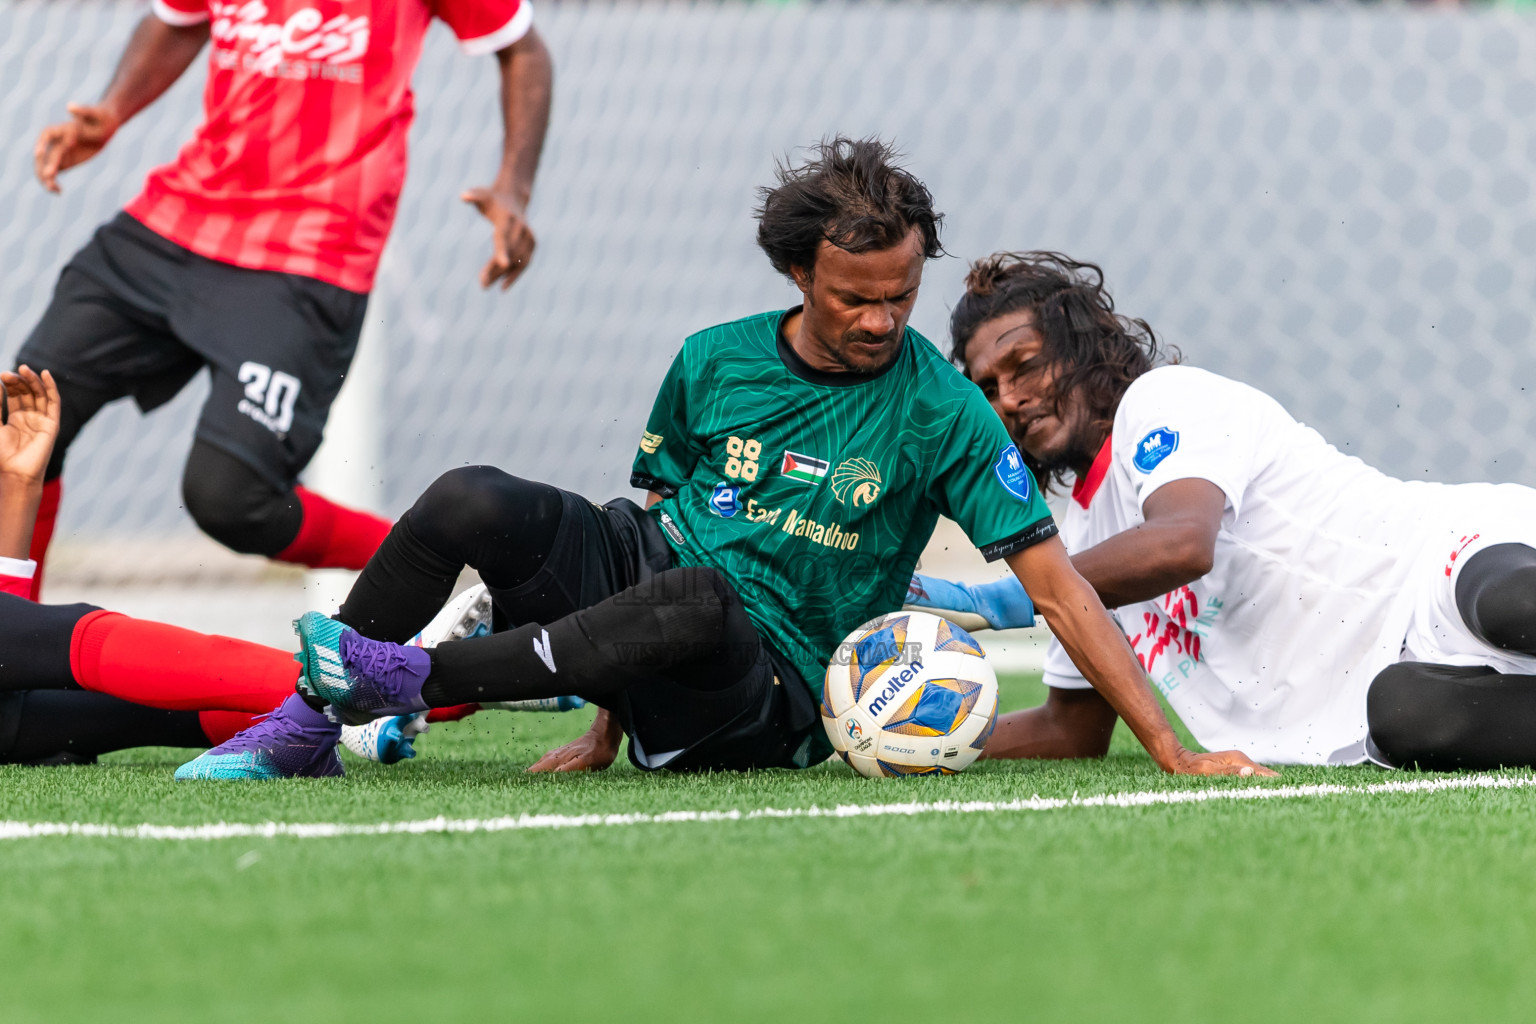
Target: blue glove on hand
[[1003, 604]]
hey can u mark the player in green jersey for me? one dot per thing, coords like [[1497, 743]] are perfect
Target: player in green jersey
[[796, 463]]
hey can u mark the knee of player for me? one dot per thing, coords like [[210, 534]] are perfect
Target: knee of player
[[1414, 711], [1504, 613], [478, 499], [242, 513], [1391, 707]]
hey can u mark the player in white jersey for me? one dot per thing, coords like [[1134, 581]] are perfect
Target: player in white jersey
[[1285, 598]]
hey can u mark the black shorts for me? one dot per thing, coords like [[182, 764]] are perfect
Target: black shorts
[[764, 720], [136, 314]]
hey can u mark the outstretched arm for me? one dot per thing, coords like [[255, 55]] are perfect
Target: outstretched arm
[[1100, 652], [1176, 545], [156, 56], [30, 426], [527, 83]]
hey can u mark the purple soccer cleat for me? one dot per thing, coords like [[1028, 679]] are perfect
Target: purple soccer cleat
[[295, 741], [361, 679]]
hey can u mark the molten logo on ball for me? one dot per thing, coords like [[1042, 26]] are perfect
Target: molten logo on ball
[[915, 696]]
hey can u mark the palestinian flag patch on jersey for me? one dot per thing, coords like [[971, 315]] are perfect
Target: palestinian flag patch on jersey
[[803, 467]]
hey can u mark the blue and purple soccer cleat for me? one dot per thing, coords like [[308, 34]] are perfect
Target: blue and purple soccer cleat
[[295, 741], [361, 679]]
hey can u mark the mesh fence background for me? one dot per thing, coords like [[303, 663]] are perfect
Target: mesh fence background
[[1332, 203]]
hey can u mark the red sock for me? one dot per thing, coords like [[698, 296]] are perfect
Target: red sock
[[42, 533], [452, 713], [219, 726], [333, 536], [168, 667]]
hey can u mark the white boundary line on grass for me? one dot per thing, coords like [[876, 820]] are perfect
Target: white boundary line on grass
[[531, 822]]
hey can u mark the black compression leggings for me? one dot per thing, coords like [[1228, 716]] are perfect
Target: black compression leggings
[[684, 626], [75, 726], [1452, 717], [1449, 717], [499, 525], [34, 643], [687, 626]]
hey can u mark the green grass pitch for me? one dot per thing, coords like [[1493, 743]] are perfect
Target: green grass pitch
[[1412, 907]]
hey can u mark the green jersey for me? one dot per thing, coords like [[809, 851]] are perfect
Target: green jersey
[[814, 493]]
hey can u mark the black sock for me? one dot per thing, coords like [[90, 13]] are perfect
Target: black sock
[[76, 726], [497, 524], [685, 625], [403, 585]]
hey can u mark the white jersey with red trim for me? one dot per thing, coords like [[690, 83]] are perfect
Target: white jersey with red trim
[[1326, 570], [300, 159]]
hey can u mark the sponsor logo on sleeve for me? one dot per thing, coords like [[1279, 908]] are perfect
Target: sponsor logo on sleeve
[[650, 443], [726, 501], [670, 525], [1011, 473], [1154, 448]]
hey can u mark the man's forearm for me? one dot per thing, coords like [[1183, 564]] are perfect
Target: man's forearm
[[155, 58], [1174, 546], [18, 515], [527, 83], [606, 725], [1140, 564]]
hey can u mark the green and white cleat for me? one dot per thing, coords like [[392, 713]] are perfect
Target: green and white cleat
[[323, 676]]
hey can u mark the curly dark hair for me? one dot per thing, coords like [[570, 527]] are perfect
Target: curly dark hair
[[851, 193], [1095, 350]]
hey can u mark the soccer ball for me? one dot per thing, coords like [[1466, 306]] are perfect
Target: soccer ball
[[909, 694]]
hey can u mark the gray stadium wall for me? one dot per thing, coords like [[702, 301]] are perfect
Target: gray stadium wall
[[1331, 202]]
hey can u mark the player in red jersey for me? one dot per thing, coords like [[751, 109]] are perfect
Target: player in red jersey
[[252, 253]]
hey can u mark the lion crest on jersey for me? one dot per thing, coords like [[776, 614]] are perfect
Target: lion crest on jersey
[[856, 483]]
